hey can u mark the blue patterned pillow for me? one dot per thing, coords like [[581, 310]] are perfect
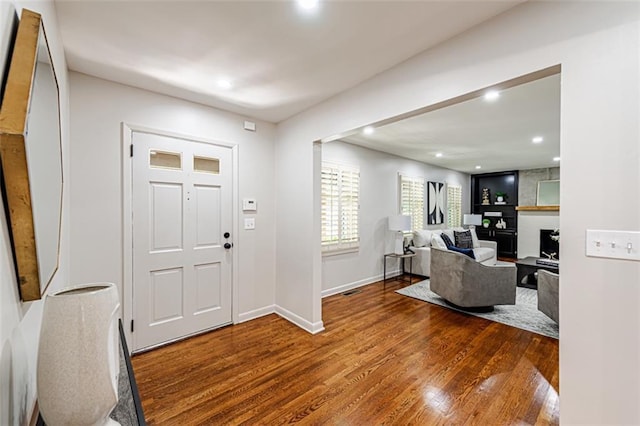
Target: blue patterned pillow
[[447, 240], [468, 252], [463, 239]]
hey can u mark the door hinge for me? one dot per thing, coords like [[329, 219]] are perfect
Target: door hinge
[[131, 150], [132, 326]]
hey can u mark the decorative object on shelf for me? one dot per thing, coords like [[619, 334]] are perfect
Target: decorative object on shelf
[[472, 220], [399, 224], [501, 197], [555, 235], [485, 197], [78, 356], [435, 201], [501, 224], [486, 223]]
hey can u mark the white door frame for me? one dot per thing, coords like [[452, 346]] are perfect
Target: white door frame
[[127, 211]]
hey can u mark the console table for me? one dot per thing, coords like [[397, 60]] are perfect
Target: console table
[[527, 267]]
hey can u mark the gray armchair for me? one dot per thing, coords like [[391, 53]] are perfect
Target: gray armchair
[[548, 294], [467, 284]]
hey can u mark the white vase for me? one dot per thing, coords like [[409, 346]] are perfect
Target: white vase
[[78, 356]]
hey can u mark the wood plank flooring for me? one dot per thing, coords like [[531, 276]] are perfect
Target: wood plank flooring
[[383, 359]]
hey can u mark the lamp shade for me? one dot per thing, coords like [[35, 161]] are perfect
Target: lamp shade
[[472, 219], [400, 223]]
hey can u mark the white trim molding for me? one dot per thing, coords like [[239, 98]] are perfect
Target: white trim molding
[[360, 283], [313, 328], [256, 313]]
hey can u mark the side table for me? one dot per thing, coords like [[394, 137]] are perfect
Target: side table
[[410, 256]]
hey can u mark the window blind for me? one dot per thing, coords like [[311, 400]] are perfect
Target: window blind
[[454, 202], [412, 200], [340, 206]]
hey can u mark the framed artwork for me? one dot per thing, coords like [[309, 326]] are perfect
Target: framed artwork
[[435, 202]]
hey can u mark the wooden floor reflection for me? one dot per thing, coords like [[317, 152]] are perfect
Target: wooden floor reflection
[[384, 358]]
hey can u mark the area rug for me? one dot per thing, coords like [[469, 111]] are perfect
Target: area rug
[[524, 314]]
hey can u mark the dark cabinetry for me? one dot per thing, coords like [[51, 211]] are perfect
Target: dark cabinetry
[[495, 212]]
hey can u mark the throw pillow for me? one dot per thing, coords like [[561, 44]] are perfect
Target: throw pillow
[[447, 240], [463, 239], [422, 238], [436, 241], [467, 251]]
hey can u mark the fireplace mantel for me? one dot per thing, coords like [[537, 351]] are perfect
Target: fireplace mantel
[[538, 208]]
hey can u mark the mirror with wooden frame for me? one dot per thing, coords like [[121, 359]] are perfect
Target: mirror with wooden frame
[[30, 146]]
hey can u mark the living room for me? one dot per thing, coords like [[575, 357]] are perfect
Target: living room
[[280, 266], [498, 135]]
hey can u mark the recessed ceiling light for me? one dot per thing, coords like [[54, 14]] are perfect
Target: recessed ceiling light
[[368, 130], [491, 95], [224, 84], [439, 154], [537, 139], [478, 167], [556, 159], [308, 4]]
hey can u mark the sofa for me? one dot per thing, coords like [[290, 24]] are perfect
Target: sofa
[[485, 252], [470, 285]]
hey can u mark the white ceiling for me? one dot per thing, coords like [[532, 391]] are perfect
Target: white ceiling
[[281, 61], [496, 135]]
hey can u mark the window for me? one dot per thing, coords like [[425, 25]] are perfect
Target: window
[[454, 202], [412, 200], [340, 205]]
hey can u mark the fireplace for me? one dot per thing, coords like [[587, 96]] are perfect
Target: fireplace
[[548, 246]]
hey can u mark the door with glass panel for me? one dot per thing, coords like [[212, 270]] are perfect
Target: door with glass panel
[[181, 238]]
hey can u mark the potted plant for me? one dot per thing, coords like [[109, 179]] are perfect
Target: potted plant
[[486, 223], [500, 196]]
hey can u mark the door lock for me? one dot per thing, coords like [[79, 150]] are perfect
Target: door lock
[[227, 235]]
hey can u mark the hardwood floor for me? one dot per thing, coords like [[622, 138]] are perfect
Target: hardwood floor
[[383, 359]]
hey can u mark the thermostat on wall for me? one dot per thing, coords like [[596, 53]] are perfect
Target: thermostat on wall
[[249, 204]]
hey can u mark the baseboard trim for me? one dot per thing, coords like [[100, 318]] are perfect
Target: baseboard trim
[[313, 328], [256, 313], [359, 283]]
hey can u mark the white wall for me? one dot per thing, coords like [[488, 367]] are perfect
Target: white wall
[[597, 44], [20, 322], [379, 199], [97, 109], [529, 226]]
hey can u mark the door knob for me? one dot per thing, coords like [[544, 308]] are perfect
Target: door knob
[[227, 246], [227, 235]]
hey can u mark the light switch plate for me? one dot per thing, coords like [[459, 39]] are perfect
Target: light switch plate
[[613, 244], [249, 223]]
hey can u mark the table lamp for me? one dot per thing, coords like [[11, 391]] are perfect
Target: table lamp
[[399, 224], [472, 220]]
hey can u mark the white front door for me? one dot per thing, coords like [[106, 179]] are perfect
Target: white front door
[[182, 208]]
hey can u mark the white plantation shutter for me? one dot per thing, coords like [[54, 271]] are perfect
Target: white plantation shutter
[[412, 200], [340, 206], [454, 211]]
